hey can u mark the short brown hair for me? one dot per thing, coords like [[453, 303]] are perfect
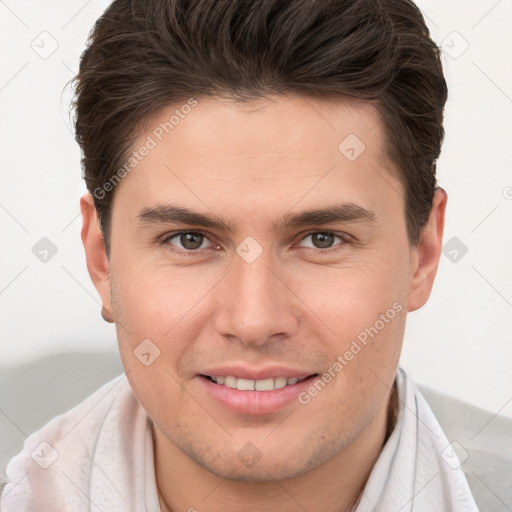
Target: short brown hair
[[143, 55]]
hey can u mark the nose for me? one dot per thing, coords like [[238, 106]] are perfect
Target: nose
[[254, 303]]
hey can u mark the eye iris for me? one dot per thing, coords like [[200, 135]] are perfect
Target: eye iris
[[191, 240], [324, 240]]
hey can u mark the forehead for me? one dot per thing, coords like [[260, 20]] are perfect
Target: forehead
[[276, 124], [269, 153]]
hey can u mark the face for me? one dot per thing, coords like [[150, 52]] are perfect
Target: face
[[215, 314]]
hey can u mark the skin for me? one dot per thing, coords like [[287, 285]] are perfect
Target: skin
[[250, 164]]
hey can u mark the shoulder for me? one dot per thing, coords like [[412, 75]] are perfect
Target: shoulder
[[68, 443], [483, 443], [86, 415]]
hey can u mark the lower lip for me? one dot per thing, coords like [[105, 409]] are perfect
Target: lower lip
[[255, 402]]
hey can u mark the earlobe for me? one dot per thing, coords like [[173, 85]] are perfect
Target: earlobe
[[427, 254], [94, 245]]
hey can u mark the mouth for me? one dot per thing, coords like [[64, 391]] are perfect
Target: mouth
[[268, 384], [255, 397]]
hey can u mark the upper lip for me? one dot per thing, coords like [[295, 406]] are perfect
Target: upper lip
[[243, 372]]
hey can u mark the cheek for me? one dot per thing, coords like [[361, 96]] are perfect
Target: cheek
[[365, 310], [159, 299], [376, 317], [351, 298], [155, 311], [155, 333], [363, 360]]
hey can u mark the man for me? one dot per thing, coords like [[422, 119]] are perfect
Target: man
[[262, 215]]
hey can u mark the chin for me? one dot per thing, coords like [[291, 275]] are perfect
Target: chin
[[259, 473], [252, 465]]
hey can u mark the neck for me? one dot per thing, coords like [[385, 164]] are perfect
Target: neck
[[334, 486]]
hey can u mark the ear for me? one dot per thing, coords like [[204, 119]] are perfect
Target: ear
[[425, 257], [95, 254]]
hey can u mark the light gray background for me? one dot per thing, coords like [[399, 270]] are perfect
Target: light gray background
[[459, 343]]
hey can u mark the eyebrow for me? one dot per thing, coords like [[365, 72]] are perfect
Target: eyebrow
[[171, 213]]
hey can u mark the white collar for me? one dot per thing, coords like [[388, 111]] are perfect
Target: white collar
[[417, 470], [105, 461]]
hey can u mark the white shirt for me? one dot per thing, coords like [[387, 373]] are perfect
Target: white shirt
[[417, 470], [99, 457]]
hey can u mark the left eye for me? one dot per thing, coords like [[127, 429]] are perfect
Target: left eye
[[325, 239]]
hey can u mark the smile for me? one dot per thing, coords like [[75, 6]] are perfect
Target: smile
[[246, 396], [255, 385]]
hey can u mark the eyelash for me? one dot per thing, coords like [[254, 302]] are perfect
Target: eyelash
[[345, 239]]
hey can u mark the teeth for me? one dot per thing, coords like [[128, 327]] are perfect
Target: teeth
[[256, 385], [245, 385], [264, 385], [230, 382], [279, 382]]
